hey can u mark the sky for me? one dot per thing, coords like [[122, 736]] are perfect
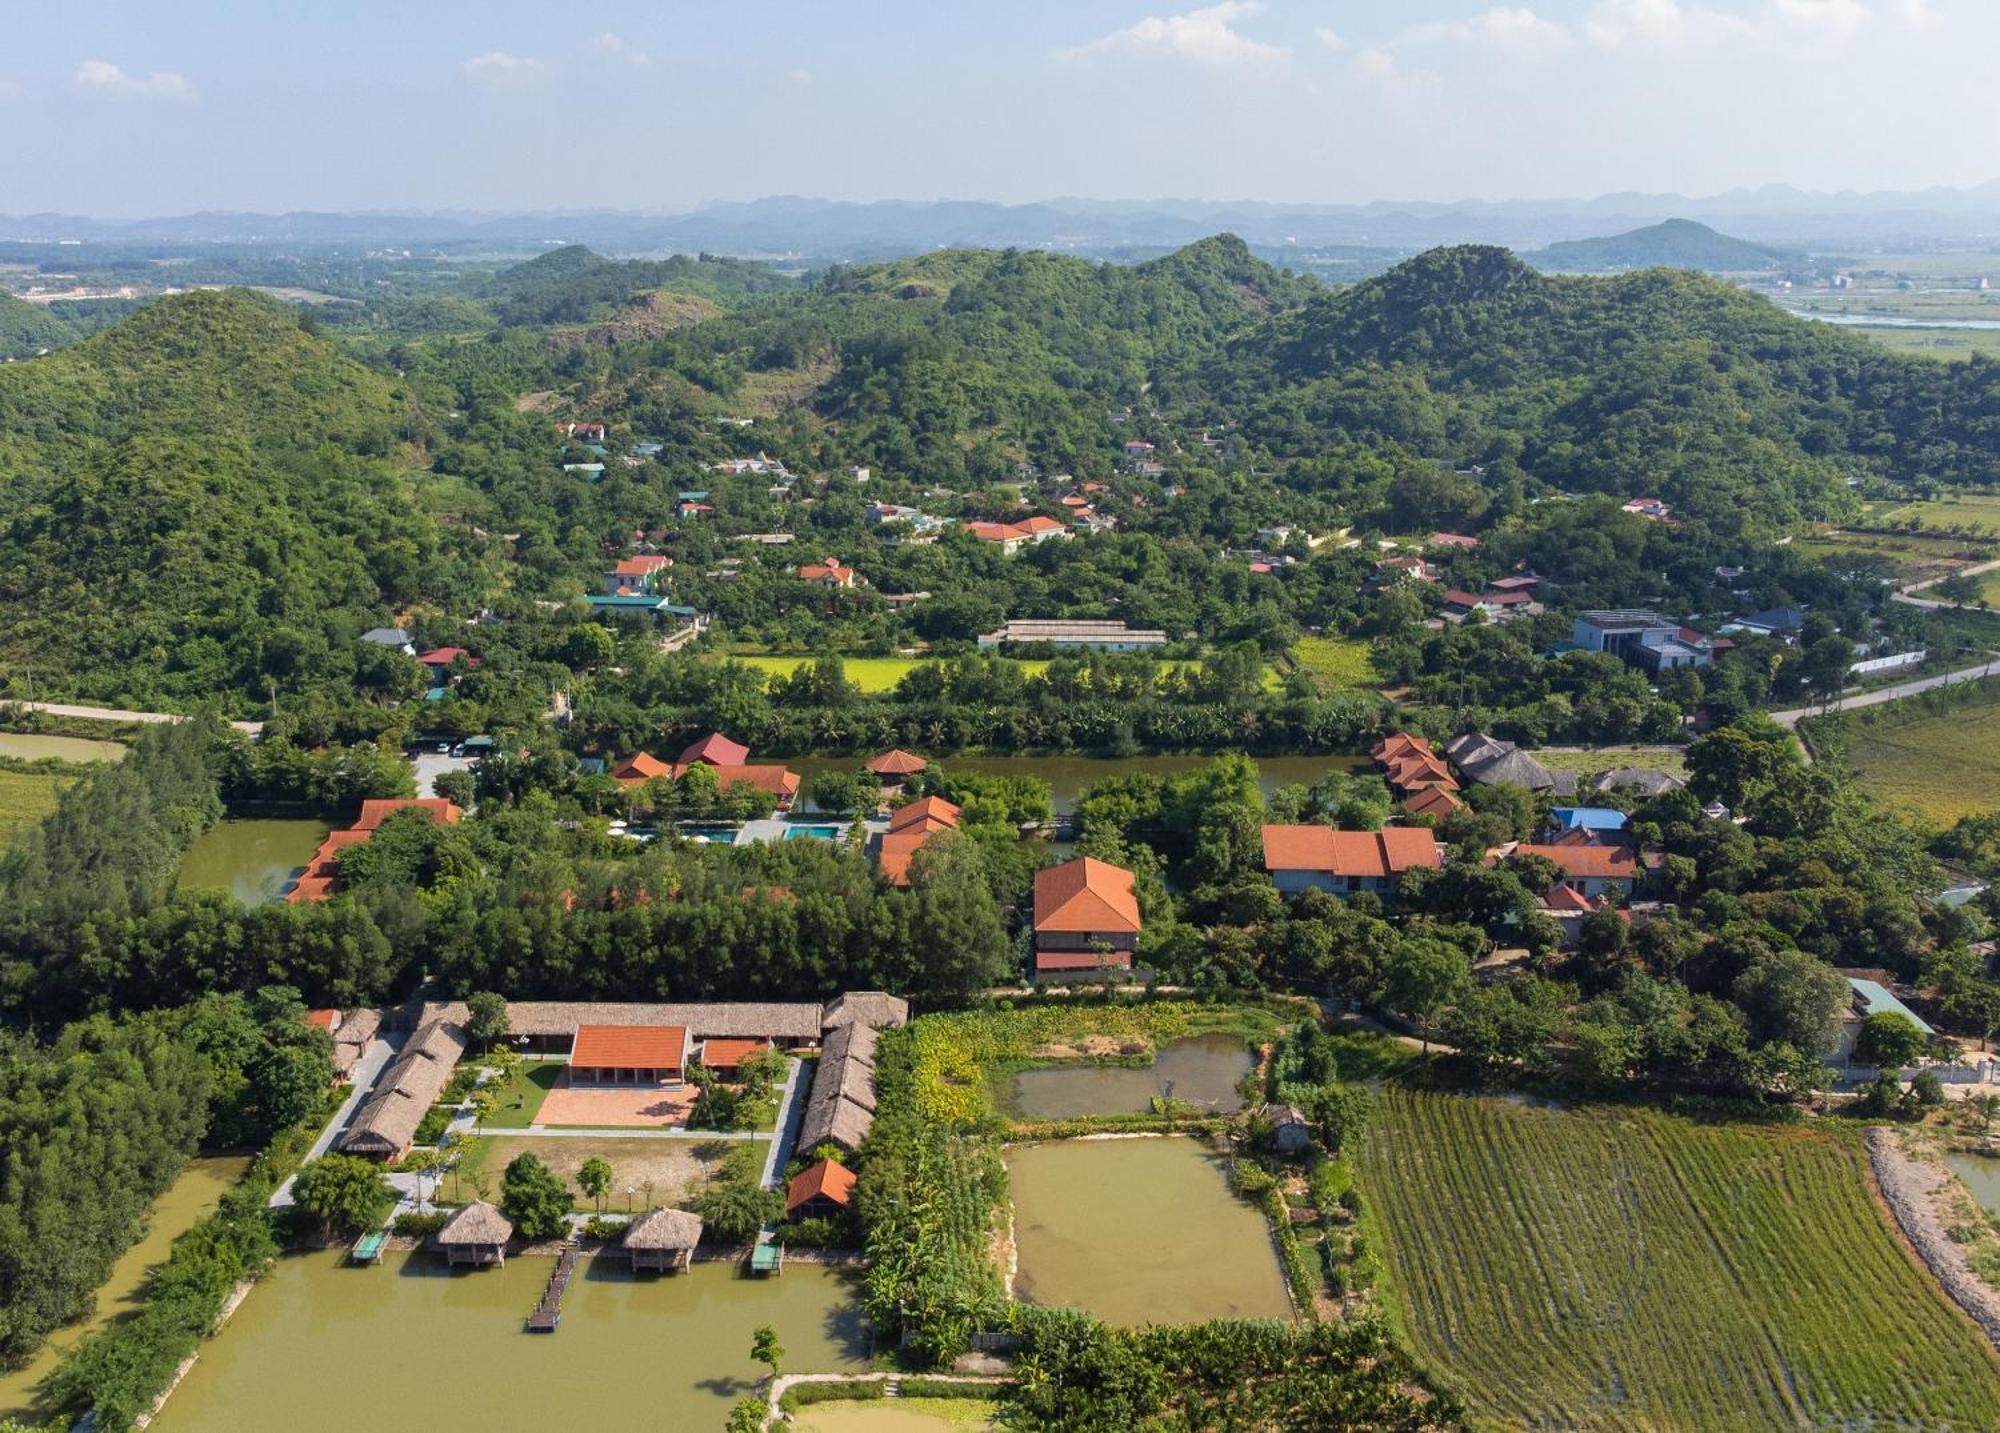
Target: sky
[[134, 107]]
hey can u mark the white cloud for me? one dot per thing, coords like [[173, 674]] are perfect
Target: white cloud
[[619, 51], [1616, 23], [800, 77], [1330, 38], [1207, 36], [1833, 19], [496, 67], [1514, 29], [12, 89], [1917, 14], [103, 80]]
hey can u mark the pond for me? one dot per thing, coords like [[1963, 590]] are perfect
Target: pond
[[1980, 1173], [252, 858], [23, 746], [188, 1199], [1070, 776], [323, 1347], [1139, 1231], [1201, 1069]]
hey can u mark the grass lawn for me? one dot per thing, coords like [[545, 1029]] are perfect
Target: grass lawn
[[1595, 760], [1940, 767], [522, 1094], [1340, 663], [1617, 1268], [25, 798], [1954, 512], [875, 675], [676, 1167]]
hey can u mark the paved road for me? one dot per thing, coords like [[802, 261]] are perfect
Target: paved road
[[366, 1071], [1890, 694], [1903, 594], [791, 1114], [66, 709]]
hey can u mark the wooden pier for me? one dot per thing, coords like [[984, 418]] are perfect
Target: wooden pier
[[548, 1313]]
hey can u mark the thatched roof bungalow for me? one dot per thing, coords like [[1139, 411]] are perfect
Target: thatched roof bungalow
[[351, 1037], [477, 1235], [387, 1121], [872, 1008], [662, 1239]]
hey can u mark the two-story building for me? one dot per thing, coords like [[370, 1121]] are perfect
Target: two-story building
[[1086, 920], [1641, 638], [1305, 858]]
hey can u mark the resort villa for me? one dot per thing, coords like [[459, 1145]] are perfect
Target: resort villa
[[322, 873], [1086, 920], [629, 1055], [821, 1191], [386, 1123], [1303, 858], [910, 829]]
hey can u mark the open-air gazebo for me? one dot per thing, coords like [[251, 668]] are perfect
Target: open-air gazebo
[[477, 1235], [662, 1240], [893, 768]]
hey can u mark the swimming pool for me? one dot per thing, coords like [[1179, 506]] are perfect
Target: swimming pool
[[813, 833]]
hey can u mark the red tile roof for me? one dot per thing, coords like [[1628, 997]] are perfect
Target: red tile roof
[[640, 766], [445, 656], [717, 750], [1452, 539], [897, 763], [1435, 801], [628, 1047], [1587, 862], [1398, 744], [897, 850], [932, 813], [825, 1180], [1086, 896], [1565, 897], [373, 813], [777, 780], [1381, 854], [325, 1019], [729, 1054]]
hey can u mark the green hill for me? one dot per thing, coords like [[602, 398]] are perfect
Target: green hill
[[194, 499], [1674, 244], [575, 285], [26, 329]]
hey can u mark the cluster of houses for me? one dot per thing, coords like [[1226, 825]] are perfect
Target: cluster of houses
[[729, 760]]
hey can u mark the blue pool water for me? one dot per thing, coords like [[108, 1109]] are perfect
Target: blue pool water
[[813, 833]]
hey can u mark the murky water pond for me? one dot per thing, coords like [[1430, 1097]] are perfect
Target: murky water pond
[[1070, 776], [1980, 1173], [1203, 1070], [1139, 1231], [23, 746], [188, 1199], [320, 1347], [253, 858]]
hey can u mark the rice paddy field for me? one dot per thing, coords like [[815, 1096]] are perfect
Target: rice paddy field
[[25, 798], [1625, 1271], [1940, 767], [1340, 663]]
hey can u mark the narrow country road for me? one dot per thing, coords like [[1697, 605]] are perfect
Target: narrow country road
[[66, 709], [1906, 594], [1890, 694]]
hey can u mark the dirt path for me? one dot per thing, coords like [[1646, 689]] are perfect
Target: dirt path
[[1910, 1187]]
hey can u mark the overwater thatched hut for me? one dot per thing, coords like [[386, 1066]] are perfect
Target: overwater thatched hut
[[477, 1235], [662, 1239]]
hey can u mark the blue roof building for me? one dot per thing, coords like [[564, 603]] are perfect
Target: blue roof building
[[1871, 998], [1588, 818]]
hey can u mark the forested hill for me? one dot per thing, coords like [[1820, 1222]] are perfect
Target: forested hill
[[575, 285], [195, 495], [27, 328], [1660, 381], [1676, 243]]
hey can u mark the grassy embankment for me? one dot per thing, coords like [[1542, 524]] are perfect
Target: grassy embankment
[[1622, 1269]]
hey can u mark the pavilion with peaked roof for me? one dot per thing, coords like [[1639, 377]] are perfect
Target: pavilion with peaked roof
[[715, 749], [476, 1235], [628, 1055], [893, 768], [662, 1240]]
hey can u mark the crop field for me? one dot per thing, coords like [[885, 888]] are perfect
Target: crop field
[[1621, 1269], [1941, 767], [25, 798], [1595, 760], [1341, 664], [1912, 556], [875, 675], [1957, 512], [1953, 345]]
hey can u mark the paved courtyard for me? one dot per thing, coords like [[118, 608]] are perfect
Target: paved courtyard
[[615, 1108]]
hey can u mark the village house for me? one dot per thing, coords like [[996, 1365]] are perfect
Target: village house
[[1436, 802], [1011, 537], [1086, 920], [636, 574], [830, 573], [1451, 539], [1867, 997], [910, 829], [1641, 638], [1652, 509], [581, 432], [841, 1108], [1593, 870], [1303, 858], [730, 761], [1291, 1131], [394, 638]]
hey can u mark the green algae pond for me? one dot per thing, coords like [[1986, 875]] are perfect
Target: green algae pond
[[1979, 1173], [253, 858], [1139, 1230], [27, 746], [1202, 1070], [321, 1346], [186, 1200]]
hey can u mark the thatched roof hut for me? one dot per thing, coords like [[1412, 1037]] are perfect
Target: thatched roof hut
[[476, 1234], [662, 1239], [851, 1042], [872, 1008], [387, 1120], [351, 1037]]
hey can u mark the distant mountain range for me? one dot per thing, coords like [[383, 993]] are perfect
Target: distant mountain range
[[819, 230]]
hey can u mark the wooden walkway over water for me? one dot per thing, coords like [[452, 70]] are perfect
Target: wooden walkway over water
[[548, 1313]]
